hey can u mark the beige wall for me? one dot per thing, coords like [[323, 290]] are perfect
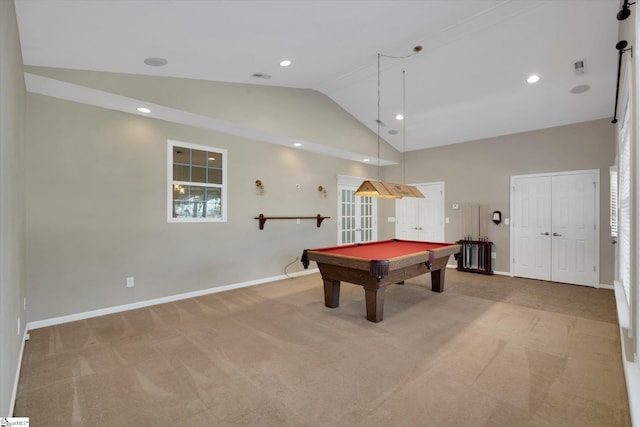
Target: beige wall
[[96, 210], [480, 171], [12, 225]]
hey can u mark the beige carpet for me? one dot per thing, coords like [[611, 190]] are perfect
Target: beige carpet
[[489, 351]]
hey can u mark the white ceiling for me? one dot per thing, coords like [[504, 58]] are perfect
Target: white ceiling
[[468, 83]]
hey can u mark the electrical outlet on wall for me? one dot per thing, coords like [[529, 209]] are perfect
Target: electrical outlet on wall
[[130, 282]]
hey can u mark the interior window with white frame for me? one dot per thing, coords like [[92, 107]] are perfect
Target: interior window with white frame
[[197, 179]]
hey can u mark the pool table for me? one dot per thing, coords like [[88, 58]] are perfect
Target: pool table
[[375, 265]]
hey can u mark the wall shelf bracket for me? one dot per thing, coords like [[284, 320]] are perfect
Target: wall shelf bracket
[[262, 219]]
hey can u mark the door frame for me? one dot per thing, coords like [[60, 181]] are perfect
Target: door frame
[[596, 214]]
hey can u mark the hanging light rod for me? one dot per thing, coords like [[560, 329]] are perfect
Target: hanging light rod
[[625, 12], [389, 190]]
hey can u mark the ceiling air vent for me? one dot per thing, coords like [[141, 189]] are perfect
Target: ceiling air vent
[[261, 76], [579, 67]]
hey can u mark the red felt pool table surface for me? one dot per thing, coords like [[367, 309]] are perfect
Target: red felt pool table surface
[[382, 250]]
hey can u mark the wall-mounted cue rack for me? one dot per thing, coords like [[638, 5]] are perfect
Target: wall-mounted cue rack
[[475, 256], [262, 219]]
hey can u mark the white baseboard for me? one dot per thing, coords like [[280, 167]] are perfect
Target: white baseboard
[[507, 273], [629, 348], [16, 380], [499, 273], [632, 376], [120, 308], [503, 273]]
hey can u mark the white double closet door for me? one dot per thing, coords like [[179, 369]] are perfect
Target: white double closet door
[[554, 230], [422, 219]]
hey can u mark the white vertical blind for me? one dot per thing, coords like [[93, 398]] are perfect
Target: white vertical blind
[[624, 196], [613, 200]]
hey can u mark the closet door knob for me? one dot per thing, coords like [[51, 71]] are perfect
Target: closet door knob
[[545, 233], [557, 235]]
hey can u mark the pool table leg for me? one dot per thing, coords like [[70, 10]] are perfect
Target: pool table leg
[[437, 280], [374, 300], [331, 293]]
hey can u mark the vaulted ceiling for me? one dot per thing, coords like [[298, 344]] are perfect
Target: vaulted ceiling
[[468, 82]]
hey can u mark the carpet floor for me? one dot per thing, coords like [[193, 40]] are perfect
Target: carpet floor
[[488, 351]]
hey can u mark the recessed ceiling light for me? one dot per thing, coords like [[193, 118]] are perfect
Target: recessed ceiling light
[[533, 78], [297, 144], [366, 160], [399, 117], [285, 62], [156, 62], [143, 110]]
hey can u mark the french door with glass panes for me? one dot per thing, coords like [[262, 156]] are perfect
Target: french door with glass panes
[[356, 216]]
